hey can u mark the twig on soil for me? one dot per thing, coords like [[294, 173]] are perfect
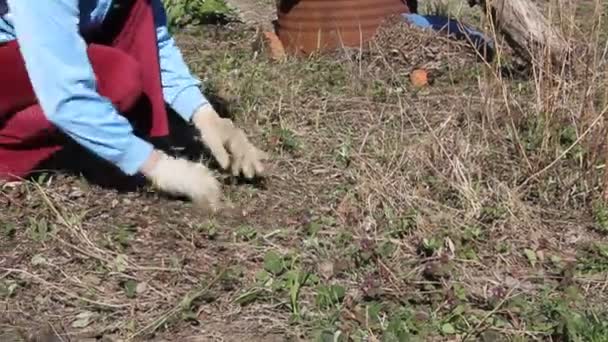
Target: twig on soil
[[566, 151], [65, 292], [489, 314], [176, 309], [99, 254]]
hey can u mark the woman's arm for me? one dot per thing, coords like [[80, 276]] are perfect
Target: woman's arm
[[62, 77], [227, 143], [180, 88]]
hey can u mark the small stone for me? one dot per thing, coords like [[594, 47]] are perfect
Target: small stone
[[326, 269], [141, 288]]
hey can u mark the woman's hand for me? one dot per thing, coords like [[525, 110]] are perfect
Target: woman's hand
[[228, 144], [183, 178]]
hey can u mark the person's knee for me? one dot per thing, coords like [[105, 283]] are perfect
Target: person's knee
[[119, 76]]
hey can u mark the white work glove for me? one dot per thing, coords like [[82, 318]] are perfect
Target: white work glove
[[228, 144], [181, 177]]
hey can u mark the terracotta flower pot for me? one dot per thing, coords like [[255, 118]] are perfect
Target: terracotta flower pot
[[305, 26]]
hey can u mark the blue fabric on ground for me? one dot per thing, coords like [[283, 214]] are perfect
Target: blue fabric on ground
[[454, 29]]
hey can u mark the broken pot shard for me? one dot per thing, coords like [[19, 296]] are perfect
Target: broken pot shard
[[306, 26]]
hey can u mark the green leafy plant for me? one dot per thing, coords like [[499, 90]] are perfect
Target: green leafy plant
[[331, 295], [600, 214], [246, 233], [184, 12], [39, 230]]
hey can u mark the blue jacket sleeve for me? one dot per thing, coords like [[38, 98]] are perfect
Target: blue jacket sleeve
[[180, 88], [56, 59]]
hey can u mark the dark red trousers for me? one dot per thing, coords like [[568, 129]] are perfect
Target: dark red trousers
[[125, 61]]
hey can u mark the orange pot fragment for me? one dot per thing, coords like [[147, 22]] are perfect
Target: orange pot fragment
[[419, 78], [277, 52]]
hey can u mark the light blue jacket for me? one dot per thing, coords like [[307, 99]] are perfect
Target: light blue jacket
[[50, 34]]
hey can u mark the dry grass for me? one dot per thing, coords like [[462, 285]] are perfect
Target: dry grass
[[467, 210]]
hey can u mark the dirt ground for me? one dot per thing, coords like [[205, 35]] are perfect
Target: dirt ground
[[255, 12], [464, 210]]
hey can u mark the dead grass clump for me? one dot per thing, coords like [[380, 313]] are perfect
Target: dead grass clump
[[406, 47]]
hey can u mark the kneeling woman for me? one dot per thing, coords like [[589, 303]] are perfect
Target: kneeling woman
[[77, 69]]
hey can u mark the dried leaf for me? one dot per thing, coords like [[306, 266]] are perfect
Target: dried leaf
[[91, 279], [38, 260], [448, 329], [120, 262], [83, 319], [531, 255]]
